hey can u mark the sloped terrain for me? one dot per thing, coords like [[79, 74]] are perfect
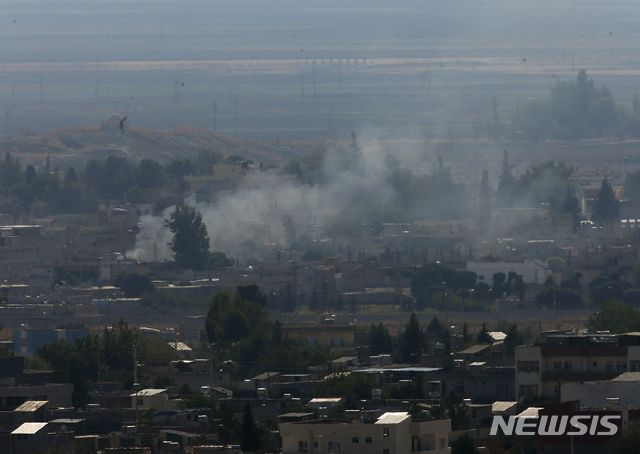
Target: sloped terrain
[[75, 146]]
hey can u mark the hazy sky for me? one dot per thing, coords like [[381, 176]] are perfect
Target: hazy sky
[[111, 30]]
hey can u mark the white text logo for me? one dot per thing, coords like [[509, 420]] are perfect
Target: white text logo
[[548, 425]]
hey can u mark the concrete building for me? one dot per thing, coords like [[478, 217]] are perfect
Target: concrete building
[[42, 437], [226, 176], [27, 342], [158, 398], [328, 332], [624, 391], [543, 369], [391, 433]]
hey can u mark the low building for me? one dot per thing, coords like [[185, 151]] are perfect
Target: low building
[[41, 437], [158, 398], [27, 341], [391, 433], [624, 390], [329, 333], [543, 368]]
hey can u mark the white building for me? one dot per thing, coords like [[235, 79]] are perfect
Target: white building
[[158, 398], [624, 390], [535, 272], [391, 433]]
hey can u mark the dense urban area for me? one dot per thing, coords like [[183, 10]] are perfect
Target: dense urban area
[[319, 227], [338, 300]]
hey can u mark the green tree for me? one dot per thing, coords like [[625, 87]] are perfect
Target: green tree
[[498, 284], [219, 260], [483, 336], [631, 185], [252, 293], [249, 433], [457, 411], [71, 175], [379, 339], [571, 205], [30, 173], [559, 298], [464, 444], [10, 172], [513, 339], [190, 242], [506, 183], [615, 317], [227, 423], [177, 169], [606, 211], [150, 174], [411, 341], [134, 285]]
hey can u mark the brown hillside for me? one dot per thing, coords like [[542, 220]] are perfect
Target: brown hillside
[[75, 146]]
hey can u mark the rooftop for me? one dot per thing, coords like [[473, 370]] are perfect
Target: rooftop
[[531, 412], [499, 407], [393, 417], [628, 376], [474, 349], [29, 428], [148, 392], [31, 405]]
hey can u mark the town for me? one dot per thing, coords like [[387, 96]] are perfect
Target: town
[[319, 227], [126, 333]]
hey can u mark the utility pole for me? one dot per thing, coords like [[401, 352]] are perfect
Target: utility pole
[[215, 115], [136, 385]]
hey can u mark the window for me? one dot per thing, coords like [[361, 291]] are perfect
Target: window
[[460, 388], [355, 440], [368, 440], [568, 366], [334, 447], [385, 451], [595, 364], [635, 366], [501, 390], [385, 432], [302, 446], [621, 366], [609, 366], [528, 366], [557, 366], [556, 390], [528, 390]]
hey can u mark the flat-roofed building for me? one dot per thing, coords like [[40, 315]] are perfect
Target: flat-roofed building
[[391, 433]]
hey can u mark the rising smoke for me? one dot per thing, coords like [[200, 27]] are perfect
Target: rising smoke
[[361, 182]]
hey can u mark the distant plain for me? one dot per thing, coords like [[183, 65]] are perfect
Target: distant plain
[[417, 73]]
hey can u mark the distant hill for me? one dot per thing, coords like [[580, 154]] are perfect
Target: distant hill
[[73, 147]]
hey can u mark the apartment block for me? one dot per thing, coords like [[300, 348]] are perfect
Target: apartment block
[[541, 369], [390, 433]]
